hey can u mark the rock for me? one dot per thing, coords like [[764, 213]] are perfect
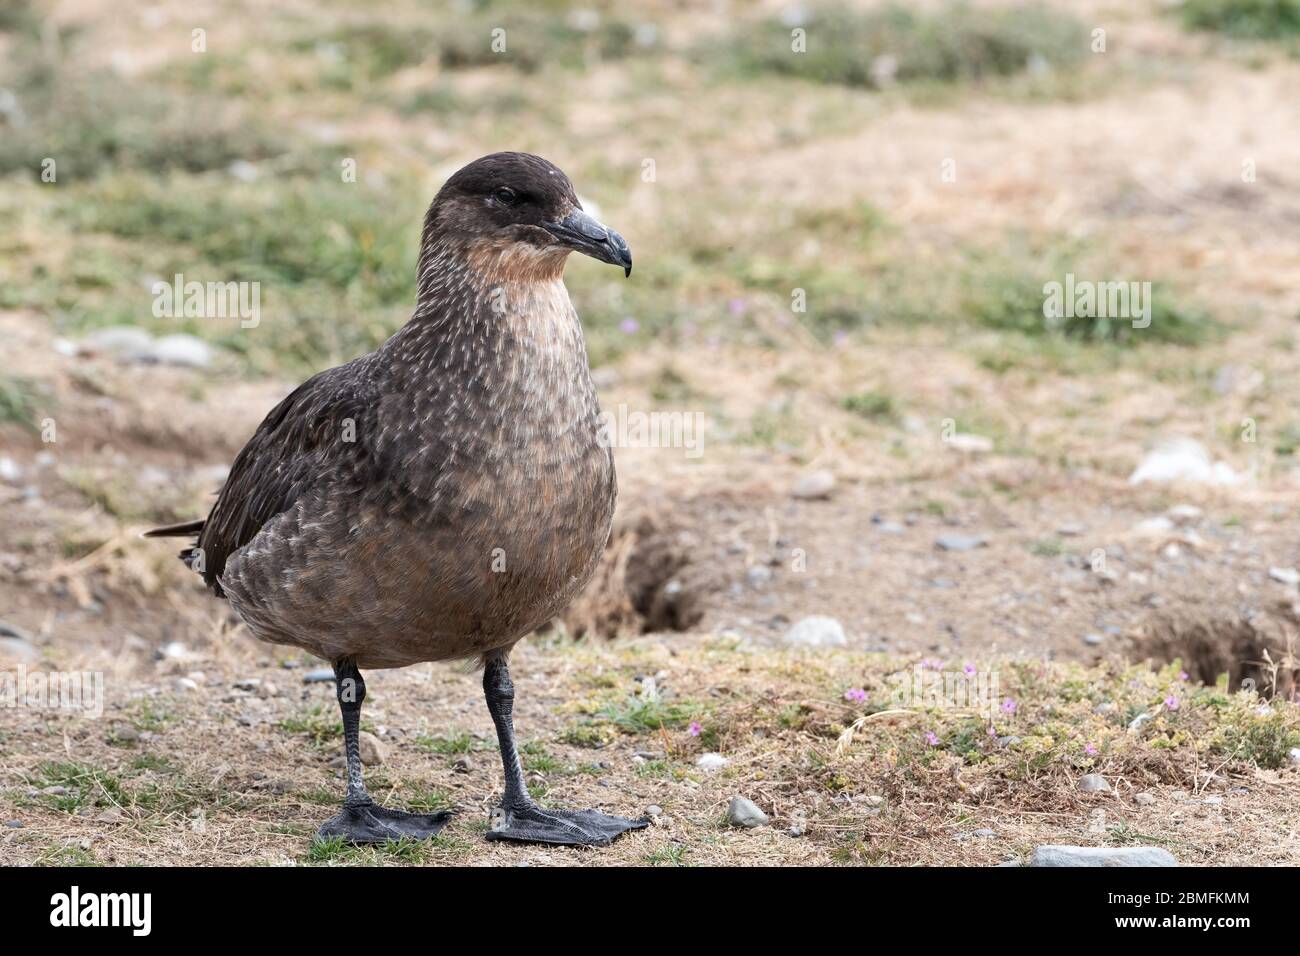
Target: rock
[[1182, 459], [960, 542], [318, 676], [184, 685], [1185, 514], [462, 764], [1145, 799], [248, 683], [18, 649], [243, 170], [9, 470], [970, 444], [711, 762], [816, 631], [14, 824], [814, 485], [1295, 754], [123, 341], [111, 815], [654, 811], [55, 791], [1101, 856], [758, 576], [184, 350], [890, 527], [1093, 640], [372, 751], [1071, 530], [176, 651], [1213, 801], [1153, 527], [1092, 783], [1137, 722], [745, 813], [1287, 576]]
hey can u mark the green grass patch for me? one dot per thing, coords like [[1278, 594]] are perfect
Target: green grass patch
[[874, 406], [877, 48], [1243, 19], [18, 400], [89, 122], [458, 743]]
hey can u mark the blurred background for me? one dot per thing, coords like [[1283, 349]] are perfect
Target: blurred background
[[844, 217]]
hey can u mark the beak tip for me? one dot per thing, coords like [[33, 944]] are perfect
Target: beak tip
[[627, 272]]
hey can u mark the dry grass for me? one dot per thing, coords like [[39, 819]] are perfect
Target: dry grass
[[224, 776]]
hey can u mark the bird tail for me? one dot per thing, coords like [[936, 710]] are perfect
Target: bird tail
[[182, 530]]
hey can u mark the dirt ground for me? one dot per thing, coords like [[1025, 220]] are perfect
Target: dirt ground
[[213, 750]]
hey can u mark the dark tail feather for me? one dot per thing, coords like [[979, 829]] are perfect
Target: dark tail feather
[[182, 530]]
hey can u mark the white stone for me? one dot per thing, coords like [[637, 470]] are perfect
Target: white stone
[[816, 631], [1182, 459]]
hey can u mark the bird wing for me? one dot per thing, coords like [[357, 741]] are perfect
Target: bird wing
[[301, 443]]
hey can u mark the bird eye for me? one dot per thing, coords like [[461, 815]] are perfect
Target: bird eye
[[506, 196]]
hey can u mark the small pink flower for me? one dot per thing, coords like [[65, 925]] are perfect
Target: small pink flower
[[629, 325], [736, 306], [930, 664], [969, 670], [855, 693], [1090, 750], [694, 729], [932, 738], [1182, 675], [1171, 702], [992, 731], [1008, 706]]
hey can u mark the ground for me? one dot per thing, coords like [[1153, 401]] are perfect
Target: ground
[[1172, 157]]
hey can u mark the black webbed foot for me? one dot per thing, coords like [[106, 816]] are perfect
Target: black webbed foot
[[529, 823], [371, 823]]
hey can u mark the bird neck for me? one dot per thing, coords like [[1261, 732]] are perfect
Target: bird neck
[[507, 325]]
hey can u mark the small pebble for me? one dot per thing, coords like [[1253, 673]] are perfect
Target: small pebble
[[1093, 783], [814, 485], [742, 812], [372, 751], [711, 762], [960, 542], [816, 631]]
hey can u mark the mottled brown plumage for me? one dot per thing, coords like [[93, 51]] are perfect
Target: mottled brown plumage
[[446, 494]]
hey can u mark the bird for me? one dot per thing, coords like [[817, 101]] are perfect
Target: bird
[[441, 497]]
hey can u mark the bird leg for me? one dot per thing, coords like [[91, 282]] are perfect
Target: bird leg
[[361, 819], [518, 817]]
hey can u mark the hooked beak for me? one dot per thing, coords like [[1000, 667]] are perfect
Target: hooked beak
[[583, 234]]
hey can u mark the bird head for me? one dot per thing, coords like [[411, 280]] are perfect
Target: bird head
[[516, 215]]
